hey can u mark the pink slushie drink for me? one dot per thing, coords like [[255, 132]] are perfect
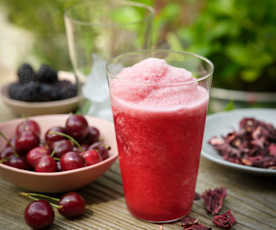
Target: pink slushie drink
[[159, 114]]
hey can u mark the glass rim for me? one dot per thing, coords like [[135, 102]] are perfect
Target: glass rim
[[195, 80], [67, 13]]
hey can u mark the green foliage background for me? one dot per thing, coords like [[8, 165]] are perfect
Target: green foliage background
[[238, 36]]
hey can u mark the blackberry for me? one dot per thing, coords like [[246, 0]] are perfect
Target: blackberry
[[26, 73], [15, 91], [45, 92], [47, 75], [25, 92], [31, 91], [66, 89]]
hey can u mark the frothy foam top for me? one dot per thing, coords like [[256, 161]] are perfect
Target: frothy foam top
[[152, 83]]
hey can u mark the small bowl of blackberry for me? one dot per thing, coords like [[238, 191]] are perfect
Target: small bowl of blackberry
[[44, 91]]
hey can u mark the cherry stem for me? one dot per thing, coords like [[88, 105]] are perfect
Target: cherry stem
[[33, 196], [53, 153], [3, 160], [8, 141], [56, 158], [70, 138]]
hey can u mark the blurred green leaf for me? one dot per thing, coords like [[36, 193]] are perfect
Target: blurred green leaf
[[84, 108], [174, 42], [230, 106], [249, 75]]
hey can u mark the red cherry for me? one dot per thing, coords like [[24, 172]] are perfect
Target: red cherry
[[26, 141], [102, 149], [17, 162], [35, 154], [46, 164], [77, 126], [61, 147], [39, 214], [72, 205], [51, 137], [92, 136], [28, 125], [71, 160], [92, 157], [6, 153]]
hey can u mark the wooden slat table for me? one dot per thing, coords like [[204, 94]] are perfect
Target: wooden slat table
[[252, 200]]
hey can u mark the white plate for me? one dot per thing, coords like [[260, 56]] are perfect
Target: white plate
[[222, 123]]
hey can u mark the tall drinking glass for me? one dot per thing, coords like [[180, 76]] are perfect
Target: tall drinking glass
[[98, 30], [159, 109]]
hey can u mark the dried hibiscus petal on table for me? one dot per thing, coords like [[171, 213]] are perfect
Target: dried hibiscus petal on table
[[213, 199], [254, 144], [272, 149], [190, 223], [225, 220]]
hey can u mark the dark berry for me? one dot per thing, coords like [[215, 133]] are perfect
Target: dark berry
[[25, 74], [66, 89], [77, 126], [26, 141], [54, 92], [46, 74], [28, 124], [16, 90], [30, 92], [91, 157], [45, 92], [72, 205], [35, 154], [71, 160], [51, 137], [61, 147], [46, 163], [39, 214]]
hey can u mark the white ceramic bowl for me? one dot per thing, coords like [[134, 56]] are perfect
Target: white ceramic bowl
[[224, 122], [58, 181]]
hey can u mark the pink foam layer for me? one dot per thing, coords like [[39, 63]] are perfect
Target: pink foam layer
[[152, 84]]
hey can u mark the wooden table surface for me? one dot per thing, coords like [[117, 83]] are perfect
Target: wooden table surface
[[251, 198]]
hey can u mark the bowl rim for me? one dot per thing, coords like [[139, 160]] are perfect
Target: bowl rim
[[114, 154], [7, 99]]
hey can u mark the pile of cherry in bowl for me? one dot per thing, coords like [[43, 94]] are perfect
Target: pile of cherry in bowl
[[65, 148]]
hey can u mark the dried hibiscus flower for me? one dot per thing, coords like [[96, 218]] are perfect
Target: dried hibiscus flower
[[225, 220], [190, 223], [213, 199], [254, 144]]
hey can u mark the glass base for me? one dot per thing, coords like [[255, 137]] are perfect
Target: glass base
[[161, 221]]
